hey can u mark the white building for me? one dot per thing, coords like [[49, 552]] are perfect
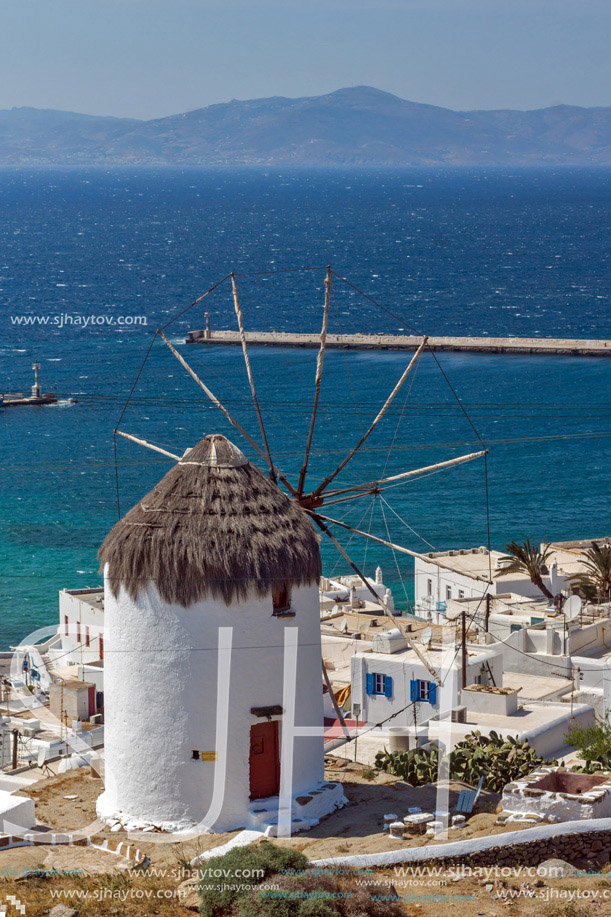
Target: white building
[[350, 593], [468, 573], [398, 683], [81, 625], [213, 653]]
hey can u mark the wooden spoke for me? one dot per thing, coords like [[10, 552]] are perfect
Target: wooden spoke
[[143, 442], [251, 381], [396, 621], [388, 402], [317, 381], [374, 485], [224, 410], [356, 496], [391, 544]]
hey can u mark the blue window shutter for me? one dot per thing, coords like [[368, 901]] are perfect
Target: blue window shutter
[[432, 692], [387, 686], [369, 686], [414, 690]]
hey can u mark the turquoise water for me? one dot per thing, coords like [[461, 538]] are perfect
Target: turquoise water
[[449, 252]]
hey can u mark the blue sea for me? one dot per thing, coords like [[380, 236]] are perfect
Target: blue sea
[[98, 260]]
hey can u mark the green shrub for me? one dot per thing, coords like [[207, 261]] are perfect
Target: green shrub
[[293, 898], [218, 893], [317, 907], [290, 891], [594, 744]]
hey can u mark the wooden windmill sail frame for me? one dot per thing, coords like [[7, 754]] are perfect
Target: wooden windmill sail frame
[[320, 495]]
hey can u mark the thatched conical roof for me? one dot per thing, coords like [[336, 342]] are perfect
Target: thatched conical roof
[[215, 525]]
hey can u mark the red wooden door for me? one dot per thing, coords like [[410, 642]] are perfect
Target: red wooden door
[[264, 760]]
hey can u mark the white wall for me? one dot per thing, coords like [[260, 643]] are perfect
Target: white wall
[[161, 664], [591, 638], [84, 615], [519, 655], [442, 578], [376, 708], [539, 651]]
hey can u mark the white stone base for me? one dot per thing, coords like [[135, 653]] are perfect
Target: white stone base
[[262, 815], [116, 820], [306, 811]]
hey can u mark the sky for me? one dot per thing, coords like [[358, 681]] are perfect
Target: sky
[[150, 58]]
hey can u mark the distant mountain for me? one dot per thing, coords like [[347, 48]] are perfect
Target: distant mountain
[[42, 135], [359, 126]]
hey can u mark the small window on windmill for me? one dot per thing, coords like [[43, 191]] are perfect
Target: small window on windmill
[[281, 600]]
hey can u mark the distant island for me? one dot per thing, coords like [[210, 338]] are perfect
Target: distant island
[[356, 126]]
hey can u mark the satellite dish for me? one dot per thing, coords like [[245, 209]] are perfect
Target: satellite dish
[[364, 628], [344, 626], [42, 756], [572, 607], [426, 636]]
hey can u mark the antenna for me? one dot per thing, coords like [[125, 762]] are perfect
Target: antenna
[[572, 607], [426, 636]]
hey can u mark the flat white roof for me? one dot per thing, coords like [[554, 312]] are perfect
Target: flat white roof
[[88, 596], [535, 687], [473, 562], [526, 719], [476, 562], [437, 655], [581, 544]]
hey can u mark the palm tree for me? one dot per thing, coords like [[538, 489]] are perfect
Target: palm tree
[[526, 558], [595, 581]]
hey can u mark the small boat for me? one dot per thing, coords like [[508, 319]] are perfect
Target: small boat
[[18, 399]]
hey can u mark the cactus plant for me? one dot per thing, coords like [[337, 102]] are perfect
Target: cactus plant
[[497, 759]]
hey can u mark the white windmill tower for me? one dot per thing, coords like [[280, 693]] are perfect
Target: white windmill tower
[[210, 580], [179, 573]]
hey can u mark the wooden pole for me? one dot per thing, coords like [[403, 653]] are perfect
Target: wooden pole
[[143, 442], [251, 381], [391, 544], [317, 381], [376, 421], [224, 410], [395, 620], [463, 647], [438, 466]]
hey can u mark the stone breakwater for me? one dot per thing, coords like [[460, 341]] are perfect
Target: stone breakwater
[[549, 346]]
